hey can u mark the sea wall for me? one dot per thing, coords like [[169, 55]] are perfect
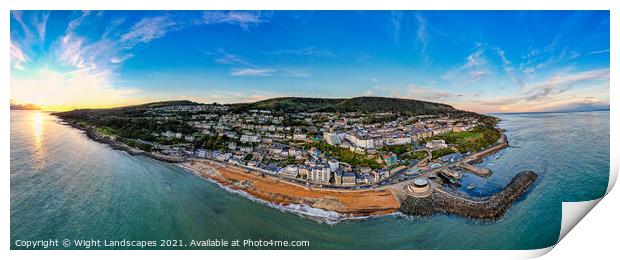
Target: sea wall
[[491, 208]]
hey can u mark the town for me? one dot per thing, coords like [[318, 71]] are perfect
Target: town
[[321, 149]]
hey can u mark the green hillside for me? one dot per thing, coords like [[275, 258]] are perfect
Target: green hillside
[[357, 104]]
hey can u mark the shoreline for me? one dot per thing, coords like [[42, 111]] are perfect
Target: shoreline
[[327, 205], [346, 203], [302, 210]]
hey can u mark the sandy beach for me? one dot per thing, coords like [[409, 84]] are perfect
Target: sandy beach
[[270, 189]]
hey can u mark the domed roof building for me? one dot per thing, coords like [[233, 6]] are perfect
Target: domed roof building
[[420, 187]]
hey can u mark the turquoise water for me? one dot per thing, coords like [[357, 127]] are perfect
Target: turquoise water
[[65, 186]]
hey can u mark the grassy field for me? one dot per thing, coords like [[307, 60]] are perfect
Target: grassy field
[[473, 140], [415, 155]]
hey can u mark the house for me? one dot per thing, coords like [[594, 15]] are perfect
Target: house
[[246, 149], [390, 159], [348, 179], [338, 177], [303, 172], [202, 153], [363, 178]]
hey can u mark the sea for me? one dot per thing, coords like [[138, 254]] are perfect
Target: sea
[[65, 186]]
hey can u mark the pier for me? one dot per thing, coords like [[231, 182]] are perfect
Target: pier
[[482, 172], [501, 144]]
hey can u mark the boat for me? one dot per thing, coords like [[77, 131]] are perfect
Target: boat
[[471, 186]]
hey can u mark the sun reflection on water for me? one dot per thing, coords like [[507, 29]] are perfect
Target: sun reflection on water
[[38, 124]]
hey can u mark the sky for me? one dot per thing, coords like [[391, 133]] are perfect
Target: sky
[[482, 61]]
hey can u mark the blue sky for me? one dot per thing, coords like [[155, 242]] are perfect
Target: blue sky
[[484, 61]]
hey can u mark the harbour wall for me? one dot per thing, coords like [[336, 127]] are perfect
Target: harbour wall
[[491, 208]]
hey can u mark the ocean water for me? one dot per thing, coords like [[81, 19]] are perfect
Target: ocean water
[[65, 186]]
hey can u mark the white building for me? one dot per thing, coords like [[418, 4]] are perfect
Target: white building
[[397, 140], [333, 165], [320, 174], [299, 136], [360, 141], [246, 149], [436, 144], [290, 171], [332, 138], [294, 152], [249, 138]]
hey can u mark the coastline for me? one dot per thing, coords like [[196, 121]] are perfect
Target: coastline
[[345, 203], [329, 205]]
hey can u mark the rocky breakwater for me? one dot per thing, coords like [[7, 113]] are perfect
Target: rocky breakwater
[[490, 208]]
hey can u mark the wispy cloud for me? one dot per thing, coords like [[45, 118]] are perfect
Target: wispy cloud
[[34, 27], [73, 49], [115, 48], [422, 34], [561, 82], [242, 18], [599, 52], [296, 72], [40, 24], [428, 93], [474, 69], [535, 60], [585, 104], [77, 51], [225, 58], [245, 68], [559, 90], [148, 29], [253, 72], [412, 91], [508, 68], [396, 18], [18, 58], [309, 51]]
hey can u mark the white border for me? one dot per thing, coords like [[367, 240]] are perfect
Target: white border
[[311, 5], [598, 229]]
